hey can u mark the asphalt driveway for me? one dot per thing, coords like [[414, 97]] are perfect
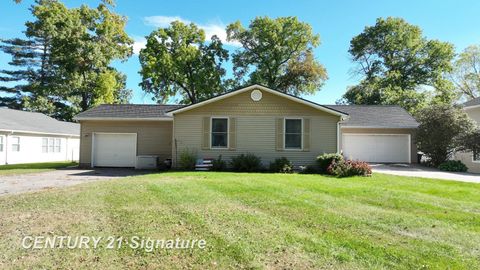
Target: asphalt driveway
[[425, 172], [11, 184]]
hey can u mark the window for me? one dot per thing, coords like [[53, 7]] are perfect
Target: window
[[15, 144], [476, 156], [57, 145], [219, 138], [51, 145], [293, 133], [44, 145], [1, 143]]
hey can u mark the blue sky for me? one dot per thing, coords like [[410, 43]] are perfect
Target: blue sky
[[335, 21]]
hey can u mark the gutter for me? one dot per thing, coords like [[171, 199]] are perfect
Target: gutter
[[122, 119], [38, 132]]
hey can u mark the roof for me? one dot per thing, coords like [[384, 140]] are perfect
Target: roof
[[263, 88], [376, 116], [127, 111], [32, 122], [472, 103]]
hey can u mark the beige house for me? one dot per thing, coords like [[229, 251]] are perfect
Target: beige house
[[472, 160], [254, 119]]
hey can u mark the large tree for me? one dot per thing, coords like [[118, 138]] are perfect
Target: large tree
[[178, 60], [398, 65], [277, 53], [466, 73], [63, 65]]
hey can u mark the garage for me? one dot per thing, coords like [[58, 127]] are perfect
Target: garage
[[382, 148], [114, 149]]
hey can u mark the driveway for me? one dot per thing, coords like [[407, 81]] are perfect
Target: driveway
[[11, 184], [425, 172]]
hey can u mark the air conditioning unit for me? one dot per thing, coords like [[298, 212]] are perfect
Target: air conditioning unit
[[147, 162]]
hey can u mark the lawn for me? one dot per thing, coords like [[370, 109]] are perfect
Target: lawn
[[33, 167], [252, 221]]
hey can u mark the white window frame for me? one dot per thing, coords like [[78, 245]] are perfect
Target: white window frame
[[2, 140], [46, 145], [57, 145], [473, 158], [228, 132], [19, 144], [52, 145], [285, 134]]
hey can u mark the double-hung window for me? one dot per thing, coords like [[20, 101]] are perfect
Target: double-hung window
[[51, 145], [293, 133], [476, 156], [57, 145], [15, 144], [1, 143], [219, 134]]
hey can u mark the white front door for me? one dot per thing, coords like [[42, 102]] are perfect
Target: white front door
[[114, 149], [380, 148]]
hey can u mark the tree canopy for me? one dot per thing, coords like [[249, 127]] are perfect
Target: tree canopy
[[178, 60], [398, 65], [466, 73], [277, 53]]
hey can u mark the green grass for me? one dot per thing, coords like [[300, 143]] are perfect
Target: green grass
[[33, 167], [253, 221]]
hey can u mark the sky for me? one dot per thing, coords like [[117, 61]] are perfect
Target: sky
[[337, 22]]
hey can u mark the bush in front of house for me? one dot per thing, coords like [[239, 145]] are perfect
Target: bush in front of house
[[246, 163], [281, 165], [187, 160], [219, 164], [453, 166], [309, 169], [324, 161], [346, 168]]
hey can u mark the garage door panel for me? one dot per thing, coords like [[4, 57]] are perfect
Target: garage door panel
[[114, 150], [377, 147]]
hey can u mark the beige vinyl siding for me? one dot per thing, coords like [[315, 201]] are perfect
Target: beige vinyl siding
[[256, 128], [153, 137], [474, 114], [386, 131], [467, 158]]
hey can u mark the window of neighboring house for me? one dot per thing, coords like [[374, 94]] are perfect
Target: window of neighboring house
[[15, 144], [219, 138], [44, 145], [293, 133], [1, 143], [476, 156], [51, 145], [58, 145]]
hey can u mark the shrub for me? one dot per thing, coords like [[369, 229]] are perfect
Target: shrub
[[246, 163], [453, 166], [219, 164], [187, 160], [308, 169], [345, 168], [325, 160], [281, 165]]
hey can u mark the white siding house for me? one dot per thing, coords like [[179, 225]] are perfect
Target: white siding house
[[27, 137]]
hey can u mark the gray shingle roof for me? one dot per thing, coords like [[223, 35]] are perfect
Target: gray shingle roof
[[376, 116], [16, 120], [133, 111], [473, 102]]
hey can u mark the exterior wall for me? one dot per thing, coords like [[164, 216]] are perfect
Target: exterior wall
[[474, 114], [256, 128], [467, 158], [385, 131], [31, 149], [153, 137]]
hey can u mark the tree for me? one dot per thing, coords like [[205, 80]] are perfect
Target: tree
[[177, 60], [441, 131], [400, 66], [277, 53], [64, 60], [466, 73]]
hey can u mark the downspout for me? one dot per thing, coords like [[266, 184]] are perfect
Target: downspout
[[339, 137]]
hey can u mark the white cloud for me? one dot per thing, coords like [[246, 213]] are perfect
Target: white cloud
[[215, 28], [138, 44]]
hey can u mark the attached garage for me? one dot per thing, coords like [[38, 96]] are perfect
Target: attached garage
[[114, 149], [384, 148]]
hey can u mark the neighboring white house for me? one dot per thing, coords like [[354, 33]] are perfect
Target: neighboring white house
[[28, 137], [472, 160]]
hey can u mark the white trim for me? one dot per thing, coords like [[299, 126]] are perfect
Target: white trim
[[122, 119], [378, 127], [3, 139], [409, 136], [285, 133], [338, 136], [228, 132], [38, 132], [92, 164], [259, 87]]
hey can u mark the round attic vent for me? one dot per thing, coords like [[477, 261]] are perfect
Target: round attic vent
[[256, 95]]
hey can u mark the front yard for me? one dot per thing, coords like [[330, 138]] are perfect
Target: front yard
[[252, 221], [34, 167]]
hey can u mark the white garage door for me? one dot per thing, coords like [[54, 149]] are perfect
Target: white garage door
[[114, 150], [377, 147]]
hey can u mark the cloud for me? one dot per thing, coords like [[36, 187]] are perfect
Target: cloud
[[138, 44], [216, 28]]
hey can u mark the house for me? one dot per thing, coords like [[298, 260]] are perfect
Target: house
[[28, 137], [472, 160], [254, 119]]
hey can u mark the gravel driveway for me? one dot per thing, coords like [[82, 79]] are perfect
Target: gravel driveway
[[420, 171], [11, 184]]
